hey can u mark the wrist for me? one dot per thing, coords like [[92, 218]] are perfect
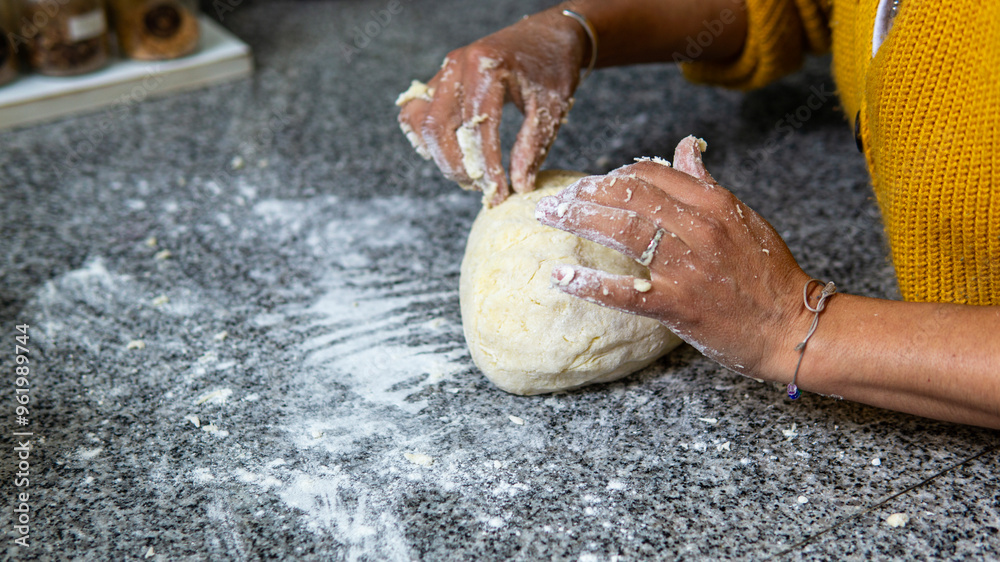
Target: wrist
[[578, 41], [591, 32], [780, 356]]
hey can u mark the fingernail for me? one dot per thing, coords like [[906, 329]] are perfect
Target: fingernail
[[546, 207], [562, 275]]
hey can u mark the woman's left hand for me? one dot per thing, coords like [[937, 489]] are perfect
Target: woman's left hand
[[721, 276]]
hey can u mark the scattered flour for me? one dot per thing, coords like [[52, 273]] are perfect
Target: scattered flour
[[419, 459], [368, 343], [486, 63], [897, 520], [358, 516], [214, 430], [218, 396]]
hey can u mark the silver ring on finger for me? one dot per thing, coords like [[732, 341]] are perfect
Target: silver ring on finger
[[647, 256]]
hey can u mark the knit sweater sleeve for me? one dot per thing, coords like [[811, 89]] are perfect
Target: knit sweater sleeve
[[779, 35]]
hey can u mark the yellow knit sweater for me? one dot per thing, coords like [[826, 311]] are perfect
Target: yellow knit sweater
[[929, 102]]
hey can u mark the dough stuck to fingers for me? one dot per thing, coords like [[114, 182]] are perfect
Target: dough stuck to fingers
[[417, 91], [529, 337], [687, 158]]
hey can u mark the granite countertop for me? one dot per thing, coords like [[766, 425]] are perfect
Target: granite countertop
[[246, 342]]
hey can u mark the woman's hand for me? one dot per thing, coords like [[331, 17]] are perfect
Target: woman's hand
[[535, 63], [723, 280], [721, 277]]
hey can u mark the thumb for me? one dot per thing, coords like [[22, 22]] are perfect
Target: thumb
[[687, 158]]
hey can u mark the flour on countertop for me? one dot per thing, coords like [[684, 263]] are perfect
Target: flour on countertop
[[897, 520], [419, 459], [334, 377]]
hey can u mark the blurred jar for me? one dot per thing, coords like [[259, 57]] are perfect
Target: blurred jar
[[64, 37], [8, 58], [156, 29]]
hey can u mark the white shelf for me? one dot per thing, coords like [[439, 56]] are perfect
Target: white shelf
[[32, 98]]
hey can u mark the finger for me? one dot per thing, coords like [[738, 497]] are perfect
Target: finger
[[624, 231], [438, 130], [413, 104], [621, 292], [630, 193], [702, 214], [687, 158], [703, 200], [479, 136], [543, 114], [635, 196], [676, 180], [406, 119]]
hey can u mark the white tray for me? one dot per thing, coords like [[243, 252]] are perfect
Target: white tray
[[32, 98]]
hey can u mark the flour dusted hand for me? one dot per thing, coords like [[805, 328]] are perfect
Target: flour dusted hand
[[454, 119], [721, 277], [530, 338]]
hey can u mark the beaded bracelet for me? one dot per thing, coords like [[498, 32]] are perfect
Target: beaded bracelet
[[828, 290], [591, 33]]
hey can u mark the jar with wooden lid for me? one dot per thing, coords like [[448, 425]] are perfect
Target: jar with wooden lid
[[156, 29], [64, 37], [8, 57]]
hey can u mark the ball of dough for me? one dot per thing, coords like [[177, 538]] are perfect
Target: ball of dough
[[527, 336]]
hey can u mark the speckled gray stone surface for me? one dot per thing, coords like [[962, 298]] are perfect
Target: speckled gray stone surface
[[307, 316]]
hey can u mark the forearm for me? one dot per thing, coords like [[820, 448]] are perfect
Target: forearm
[[642, 31], [939, 361]]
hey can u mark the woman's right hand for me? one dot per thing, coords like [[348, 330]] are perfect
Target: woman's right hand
[[534, 63]]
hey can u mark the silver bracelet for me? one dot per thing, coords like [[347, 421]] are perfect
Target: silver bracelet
[[591, 33]]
